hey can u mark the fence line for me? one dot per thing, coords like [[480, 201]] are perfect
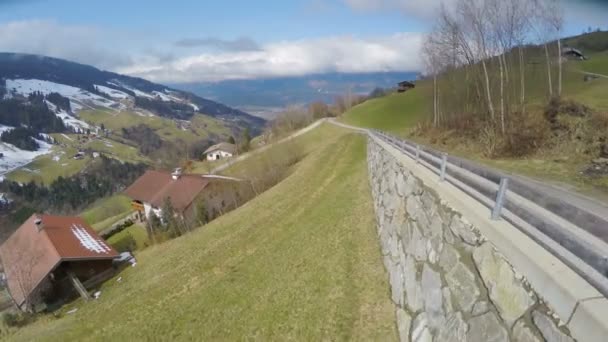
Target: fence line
[[575, 236]]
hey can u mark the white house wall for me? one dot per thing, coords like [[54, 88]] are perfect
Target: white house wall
[[221, 154]]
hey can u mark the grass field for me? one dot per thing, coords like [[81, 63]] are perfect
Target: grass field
[[393, 113], [301, 261], [60, 162], [136, 232], [46, 168], [293, 149], [597, 63], [201, 128], [103, 213], [398, 113]]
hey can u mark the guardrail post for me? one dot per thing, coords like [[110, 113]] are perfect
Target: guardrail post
[[500, 198], [417, 153], [444, 163]]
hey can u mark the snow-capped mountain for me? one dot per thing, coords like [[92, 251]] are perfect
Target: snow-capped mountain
[[40, 95], [89, 87]]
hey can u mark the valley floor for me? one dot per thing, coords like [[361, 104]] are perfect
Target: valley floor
[[301, 261]]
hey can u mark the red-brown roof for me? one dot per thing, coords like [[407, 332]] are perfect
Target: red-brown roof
[[30, 254], [155, 187]]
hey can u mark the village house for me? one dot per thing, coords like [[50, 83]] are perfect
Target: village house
[[51, 258], [220, 151], [405, 86], [219, 194]]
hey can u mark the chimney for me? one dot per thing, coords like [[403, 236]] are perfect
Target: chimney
[[176, 173], [38, 222]]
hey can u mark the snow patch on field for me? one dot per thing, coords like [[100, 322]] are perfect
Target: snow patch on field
[[136, 91], [68, 119], [117, 94], [5, 128], [162, 96], [79, 98], [15, 158], [72, 121]]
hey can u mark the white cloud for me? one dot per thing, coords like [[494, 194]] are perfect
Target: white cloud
[[82, 44], [161, 62], [398, 52]]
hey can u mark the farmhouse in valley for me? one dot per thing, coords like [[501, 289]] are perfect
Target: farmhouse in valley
[[219, 194], [405, 86], [50, 258], [220, 151]]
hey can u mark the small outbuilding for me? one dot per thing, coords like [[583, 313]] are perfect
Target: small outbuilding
[[50, 258], [220, 151], [405, 86], [572, 53]]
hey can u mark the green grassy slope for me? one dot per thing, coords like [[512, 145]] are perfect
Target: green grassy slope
[[201, 128], [45, 169], [597, 63], [60, 162], [398, 113], [301, 261], [395, 113], [103, 213]]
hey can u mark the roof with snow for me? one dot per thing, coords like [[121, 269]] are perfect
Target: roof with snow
[[33, 251]]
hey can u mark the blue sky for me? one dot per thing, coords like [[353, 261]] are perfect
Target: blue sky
[[267, 21], [189, 41]]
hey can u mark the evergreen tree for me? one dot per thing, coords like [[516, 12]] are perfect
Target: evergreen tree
[[245, 140], [169, 220], [201, 213]]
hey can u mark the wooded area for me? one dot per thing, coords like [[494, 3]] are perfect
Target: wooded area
[[478, 56]]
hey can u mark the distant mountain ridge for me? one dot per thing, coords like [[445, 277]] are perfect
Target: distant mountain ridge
[[283, 91], [161, 100]]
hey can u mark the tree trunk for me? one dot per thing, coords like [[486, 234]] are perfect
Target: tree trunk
[[559, 64], [502, 96], [549, 71], [435, 117], [488, 91], [522, 78]]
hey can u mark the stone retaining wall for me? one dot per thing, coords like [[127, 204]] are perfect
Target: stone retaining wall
[[447, 282]]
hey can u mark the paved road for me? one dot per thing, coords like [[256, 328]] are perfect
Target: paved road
[[591, 205], [593, 74], [594, 206]]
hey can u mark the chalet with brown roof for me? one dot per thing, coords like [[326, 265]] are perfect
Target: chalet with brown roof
[[219, 194], [49, 258], [220, 151], [405, 86]]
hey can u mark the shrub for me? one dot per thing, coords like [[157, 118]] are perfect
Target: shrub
[[16, 319], [125, 244], [118, 228]]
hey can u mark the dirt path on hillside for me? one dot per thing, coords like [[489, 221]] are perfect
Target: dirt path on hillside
[[264, 148]]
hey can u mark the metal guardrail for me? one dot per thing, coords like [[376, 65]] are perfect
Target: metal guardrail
[[515, 201]]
